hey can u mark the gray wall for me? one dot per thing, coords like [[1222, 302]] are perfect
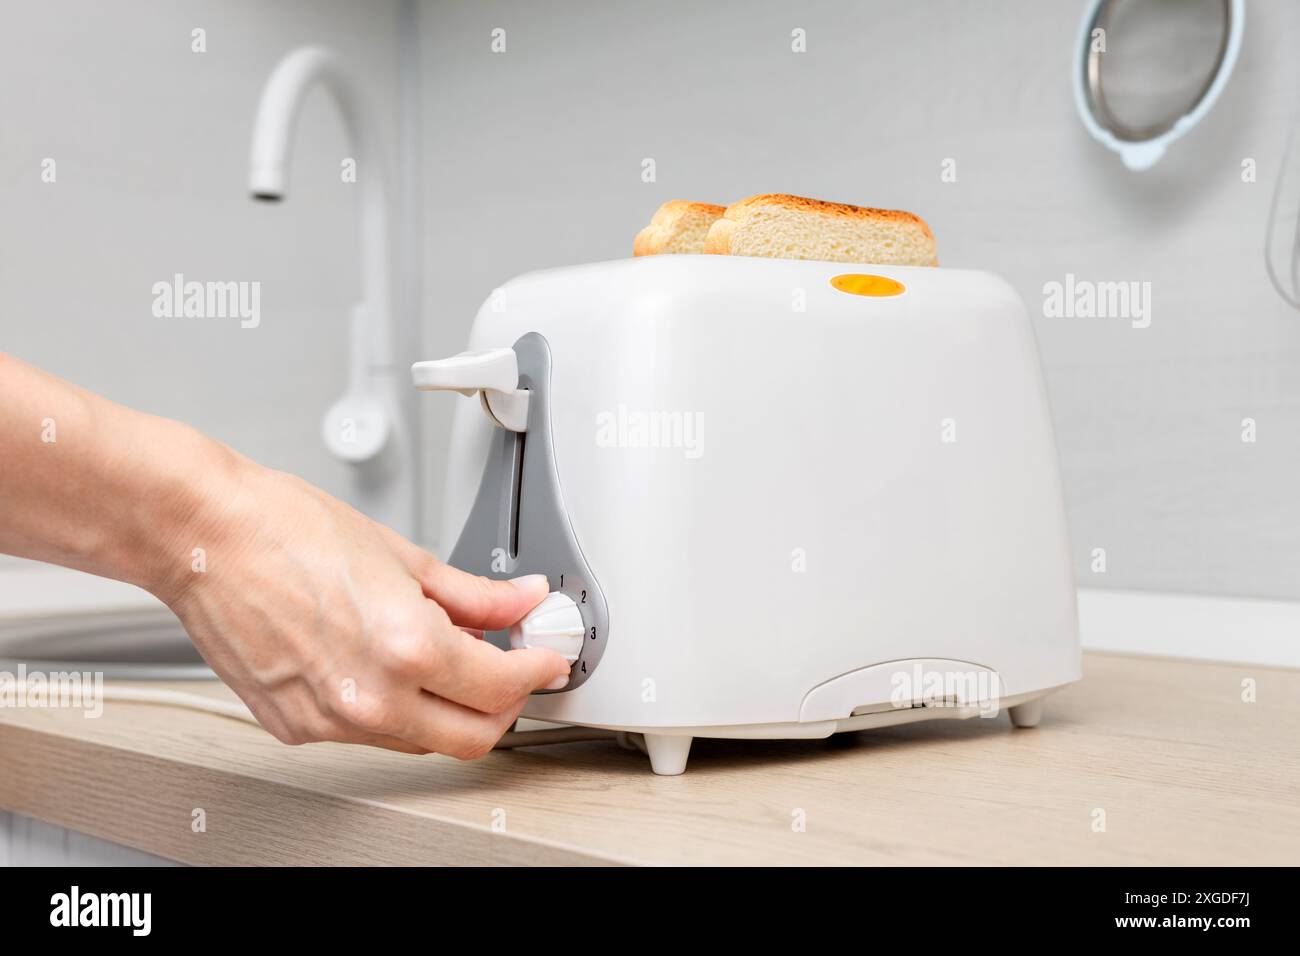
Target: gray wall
[[533, 160], [151, 143]]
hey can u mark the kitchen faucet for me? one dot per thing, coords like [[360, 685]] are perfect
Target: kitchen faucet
[[366, 426]]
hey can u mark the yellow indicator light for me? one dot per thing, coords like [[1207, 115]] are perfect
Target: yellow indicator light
[[857, 283]]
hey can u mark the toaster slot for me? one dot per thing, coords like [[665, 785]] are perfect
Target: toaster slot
[[516, 492]]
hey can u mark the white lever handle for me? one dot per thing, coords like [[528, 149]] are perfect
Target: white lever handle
[[468, 372], [493, 372]]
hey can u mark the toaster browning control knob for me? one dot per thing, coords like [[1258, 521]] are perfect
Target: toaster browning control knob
[[555, 623]]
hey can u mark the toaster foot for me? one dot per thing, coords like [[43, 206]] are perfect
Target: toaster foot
[[668, 753], [1027, 714]]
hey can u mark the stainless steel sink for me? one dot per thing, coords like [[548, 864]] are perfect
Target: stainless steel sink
[[143, 644]]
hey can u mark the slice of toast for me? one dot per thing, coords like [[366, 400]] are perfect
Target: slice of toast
[[791, 227], [678, 226]]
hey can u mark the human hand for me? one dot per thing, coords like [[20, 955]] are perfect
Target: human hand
[[330, 626]]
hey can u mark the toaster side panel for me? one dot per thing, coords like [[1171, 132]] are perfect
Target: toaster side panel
[[519, 524]]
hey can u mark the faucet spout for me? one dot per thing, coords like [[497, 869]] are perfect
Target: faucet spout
[[268, 170]]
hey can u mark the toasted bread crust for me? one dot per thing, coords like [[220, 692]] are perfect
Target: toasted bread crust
[[739, 211], [648, 242], [675, 209], [718, 241], [656, 238]]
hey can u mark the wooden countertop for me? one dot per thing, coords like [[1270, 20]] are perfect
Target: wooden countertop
[[1184, 770]]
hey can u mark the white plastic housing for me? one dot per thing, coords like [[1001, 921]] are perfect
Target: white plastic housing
[[853, 481]]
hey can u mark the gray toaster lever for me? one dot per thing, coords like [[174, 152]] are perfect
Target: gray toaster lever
[[518, 523]]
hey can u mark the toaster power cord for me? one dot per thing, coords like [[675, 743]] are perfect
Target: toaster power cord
[[236, 710]]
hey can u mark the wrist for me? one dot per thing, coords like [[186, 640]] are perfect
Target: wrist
[[193, 495]]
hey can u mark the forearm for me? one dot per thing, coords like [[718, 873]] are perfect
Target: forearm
[[92, 485]]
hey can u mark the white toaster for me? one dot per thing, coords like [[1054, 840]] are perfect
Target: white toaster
[[773, 498]]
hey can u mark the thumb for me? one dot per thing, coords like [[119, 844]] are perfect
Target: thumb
[[474, 601]]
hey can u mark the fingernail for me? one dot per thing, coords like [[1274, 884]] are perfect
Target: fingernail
[[559, 682], [530, 582]]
